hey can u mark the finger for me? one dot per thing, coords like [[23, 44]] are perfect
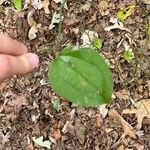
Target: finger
[[11, 65], [10, 46]]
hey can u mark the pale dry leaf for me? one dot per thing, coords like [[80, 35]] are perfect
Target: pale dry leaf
[[88, 37], [42, 143], [45, 6], [32, 32], [127, 128], [103, 110], [146, 2], [122, 94], [87, 5], [116, 25], [30, 19], [37, 4], [2, 1], [142, 111], [26, 3], [55, 20]]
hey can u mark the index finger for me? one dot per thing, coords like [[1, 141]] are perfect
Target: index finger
[[11, 46]]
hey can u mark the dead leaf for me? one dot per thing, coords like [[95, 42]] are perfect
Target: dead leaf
[[80, 131], [57, 134], [146, 2], [142, 111], [127, 128], [99, 121], [103, 110], [45, 6], [116, 25], [32, 32]]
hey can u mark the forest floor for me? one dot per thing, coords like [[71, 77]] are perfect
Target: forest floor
[[29, 108]]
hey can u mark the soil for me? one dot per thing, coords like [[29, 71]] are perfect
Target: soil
[[26, 102]]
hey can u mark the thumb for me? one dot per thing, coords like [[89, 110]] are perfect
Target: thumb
[[11, 65]]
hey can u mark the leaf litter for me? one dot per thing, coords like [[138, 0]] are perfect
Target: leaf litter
[[77, 127]]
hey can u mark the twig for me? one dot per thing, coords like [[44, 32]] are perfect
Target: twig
[[58, 40]]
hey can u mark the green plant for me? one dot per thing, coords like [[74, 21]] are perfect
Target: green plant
[[18, 4], [81, 76], [128, 55], [123, 14], [56, 104]]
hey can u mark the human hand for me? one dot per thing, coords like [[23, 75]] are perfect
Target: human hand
[[14, 58]]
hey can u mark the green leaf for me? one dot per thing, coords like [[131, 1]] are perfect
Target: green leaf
[[128, 55], [56, 104], [123, 14], [18, 4], [97, 43], [82, 77]]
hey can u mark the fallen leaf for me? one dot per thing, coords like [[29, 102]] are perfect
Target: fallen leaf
[[80, 131], [142, 111], [88, 37], [57, 134], [32, 32], [87, 5], [127, 128], [146, 2], [103, 110], [37, 4], [55, 20], [45, 6], [42, 143], [116, 25], [2, 1]]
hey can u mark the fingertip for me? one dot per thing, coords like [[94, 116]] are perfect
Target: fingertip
[[33, 59]]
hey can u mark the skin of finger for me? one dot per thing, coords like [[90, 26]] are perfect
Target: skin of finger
[[14, 66], [10, 46]]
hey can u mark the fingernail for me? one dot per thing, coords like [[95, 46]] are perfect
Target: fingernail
[[33, 59]]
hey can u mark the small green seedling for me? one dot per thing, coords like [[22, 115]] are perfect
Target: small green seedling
[[123, 14], [97, 44], [128, 55], [81, 76], [56, 104], [18, 4]]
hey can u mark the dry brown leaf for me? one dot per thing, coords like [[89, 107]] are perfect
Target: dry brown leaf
[[127, 128], [142, 111], [45, 6], [57, 134]]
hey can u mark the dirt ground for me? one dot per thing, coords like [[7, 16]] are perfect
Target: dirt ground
[[26, 102]]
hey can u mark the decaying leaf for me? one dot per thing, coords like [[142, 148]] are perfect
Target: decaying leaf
[[45, 6], [42, 143], [142, 111], [57, 134], [37, 4], [127, 128], [146, 2], [103, 110], [116, 25], [88, 37], [55, 20]]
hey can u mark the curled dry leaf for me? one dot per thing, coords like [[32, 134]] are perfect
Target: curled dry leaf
[[45, 6], [127, 128], [142, 111], [116, 25]]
